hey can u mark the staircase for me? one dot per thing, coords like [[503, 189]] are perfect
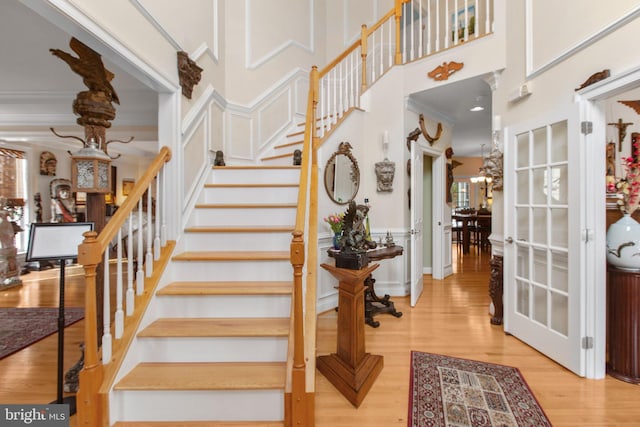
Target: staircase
[[216, 352]]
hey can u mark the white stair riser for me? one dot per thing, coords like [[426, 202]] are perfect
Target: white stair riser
[[249, 195], [232, 270], [275, 241], [215, 349], [223, 405], [254, 216], [224, 306], [248, 176]]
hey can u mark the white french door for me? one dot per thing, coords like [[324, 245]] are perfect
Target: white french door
[[416, 248], [543, 249]]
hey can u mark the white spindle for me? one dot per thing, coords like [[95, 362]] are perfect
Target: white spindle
[[421, 31], [381, 55], [404, 33], [149, 255], [106, 310], [163, 204], [321, 107], [430, 22], [119, 315], [334, 108], [390, 45], [130, 293], [487, 14], [358, 52], [372, 55], [447, 30], [466, 20], [140, 253], [345, 84], [413, 32], [339, 88], [156, 222]]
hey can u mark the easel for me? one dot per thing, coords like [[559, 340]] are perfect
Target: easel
[[58, 241]]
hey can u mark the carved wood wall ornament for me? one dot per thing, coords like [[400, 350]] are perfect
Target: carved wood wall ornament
[[428, 137], [634, 105], [189, 73], [442, 72], [594, 78]]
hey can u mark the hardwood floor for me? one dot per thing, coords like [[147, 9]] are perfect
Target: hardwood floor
[[451, 318]]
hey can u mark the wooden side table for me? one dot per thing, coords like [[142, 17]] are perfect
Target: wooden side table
[[351, 369], [623, 324]]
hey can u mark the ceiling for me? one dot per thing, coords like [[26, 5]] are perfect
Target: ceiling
[[451, 103], [37, 90]]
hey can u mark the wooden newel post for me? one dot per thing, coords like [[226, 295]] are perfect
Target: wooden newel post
[[351, 369]]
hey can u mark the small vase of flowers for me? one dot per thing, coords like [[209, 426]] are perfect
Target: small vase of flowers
[[335, 221]]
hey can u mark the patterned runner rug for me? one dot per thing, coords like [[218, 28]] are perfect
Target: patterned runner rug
[[448, 391], [21, 327]]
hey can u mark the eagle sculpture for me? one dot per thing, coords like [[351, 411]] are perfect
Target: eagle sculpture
[[89, 65]]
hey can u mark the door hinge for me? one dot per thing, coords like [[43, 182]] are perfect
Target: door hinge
[[587, 235], [586, 127], [587, 343]]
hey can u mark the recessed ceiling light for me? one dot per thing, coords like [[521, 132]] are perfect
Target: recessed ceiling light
[[477, 108]]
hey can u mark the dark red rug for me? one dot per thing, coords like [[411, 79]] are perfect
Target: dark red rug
[[448, 391], [21, 327]]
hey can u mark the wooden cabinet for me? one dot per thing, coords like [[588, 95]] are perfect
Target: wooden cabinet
[[623, 324]]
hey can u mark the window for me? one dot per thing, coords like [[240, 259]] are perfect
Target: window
[[460, 192], [13, 178]]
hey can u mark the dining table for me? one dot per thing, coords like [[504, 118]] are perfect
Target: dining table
[[467, 221]]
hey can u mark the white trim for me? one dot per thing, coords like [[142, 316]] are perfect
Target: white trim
[[75, 22], [603, 32], [159, 28], [253, 64]]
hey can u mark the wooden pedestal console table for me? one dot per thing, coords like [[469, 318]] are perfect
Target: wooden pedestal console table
[[373, 304], [351, 369], [623, 324]]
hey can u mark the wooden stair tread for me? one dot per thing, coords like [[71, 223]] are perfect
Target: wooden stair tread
[[217, 327], [199, 424], [205, 376], [279, 156], [245, 205], [253, 185], [227, 288], [289, 144], [239, 229], [232, 256]]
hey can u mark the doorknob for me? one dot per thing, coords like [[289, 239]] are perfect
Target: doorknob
[[509, 240]]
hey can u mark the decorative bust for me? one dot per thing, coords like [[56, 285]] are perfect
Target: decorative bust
[[63, 206]]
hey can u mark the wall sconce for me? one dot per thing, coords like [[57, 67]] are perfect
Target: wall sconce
[[91, 170]]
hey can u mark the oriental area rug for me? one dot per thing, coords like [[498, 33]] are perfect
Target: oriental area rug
[[21, 327], [449, 391]]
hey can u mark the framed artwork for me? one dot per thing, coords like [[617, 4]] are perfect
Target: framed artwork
[[127, 186]]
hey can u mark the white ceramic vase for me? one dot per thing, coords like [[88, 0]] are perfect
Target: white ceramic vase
[[623, 243]]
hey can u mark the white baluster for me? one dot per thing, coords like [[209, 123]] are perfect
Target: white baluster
[[140, 253], [390, 45], [106, 310], [339, 89], [466, 20], [404, 34], [149, 255], [119, 316], [430, 25], [372, 55], [420, 31], [487, 14], [163, 203], [447, 31], [156, 222], [130, 293]]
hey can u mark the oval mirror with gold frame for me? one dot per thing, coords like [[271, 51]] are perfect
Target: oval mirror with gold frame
[[342, 175]]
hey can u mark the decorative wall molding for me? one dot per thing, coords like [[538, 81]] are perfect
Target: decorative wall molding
[[533, 71], [159, 28], [252, 62]]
